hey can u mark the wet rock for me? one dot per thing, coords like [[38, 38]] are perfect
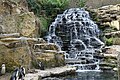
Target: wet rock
[[76, 34], [106, 68], [115, 69]]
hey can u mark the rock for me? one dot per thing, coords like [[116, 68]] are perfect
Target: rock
[[115, 69], [111, 52], [1, 29], [20, 23], [50, 78], [9, 35], [16, 51], [49, 54], [27, 24], [14, 57], [106, 68], [109, 15], [50, 72], [18, 42], [116, 23], [47, 46], [15, 18]]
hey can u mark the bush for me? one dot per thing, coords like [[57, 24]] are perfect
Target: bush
[[34, 7], [46, 10], [109, 41], [53, 7], [43, 26]]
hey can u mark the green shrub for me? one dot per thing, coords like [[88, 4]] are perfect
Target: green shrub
[[53, 7], [43, 26], [34, 7], [46, 10], [109, 41]]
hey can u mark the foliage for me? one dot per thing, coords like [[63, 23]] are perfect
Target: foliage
[[82, 3], [52, 7], [46, 10], [43, 25], [109, 41], [34, 6]]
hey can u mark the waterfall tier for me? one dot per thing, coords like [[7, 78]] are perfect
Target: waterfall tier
[[78, 35]]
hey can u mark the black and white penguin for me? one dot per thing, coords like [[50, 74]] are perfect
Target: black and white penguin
[[3, 69], [21, 73], [15, 75], [40, 64]]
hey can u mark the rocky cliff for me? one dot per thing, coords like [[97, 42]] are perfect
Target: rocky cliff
[[19, 44], [15, 18]]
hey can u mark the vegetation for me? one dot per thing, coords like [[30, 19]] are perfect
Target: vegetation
[[34, 6], [82, 3], [44, 23], [46, 10], [52, 7], [109, 41]]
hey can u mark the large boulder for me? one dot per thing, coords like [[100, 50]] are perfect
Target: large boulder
[[14, 17], [13, 55]]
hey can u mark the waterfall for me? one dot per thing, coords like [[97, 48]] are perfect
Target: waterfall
[[77, 34]]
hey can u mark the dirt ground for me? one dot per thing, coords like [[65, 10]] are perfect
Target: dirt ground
[[5, 77]]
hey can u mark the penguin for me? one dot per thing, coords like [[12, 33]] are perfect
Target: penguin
[[40, 64], [22, 73], [15, 75], [3, 69]]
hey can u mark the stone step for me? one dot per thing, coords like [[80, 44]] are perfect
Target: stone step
[[49, 72], [46, 46], [50, 51]]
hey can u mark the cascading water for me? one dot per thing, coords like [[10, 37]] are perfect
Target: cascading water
[[77, 34]]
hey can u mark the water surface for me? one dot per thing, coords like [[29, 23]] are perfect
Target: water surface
[[93, 76]]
